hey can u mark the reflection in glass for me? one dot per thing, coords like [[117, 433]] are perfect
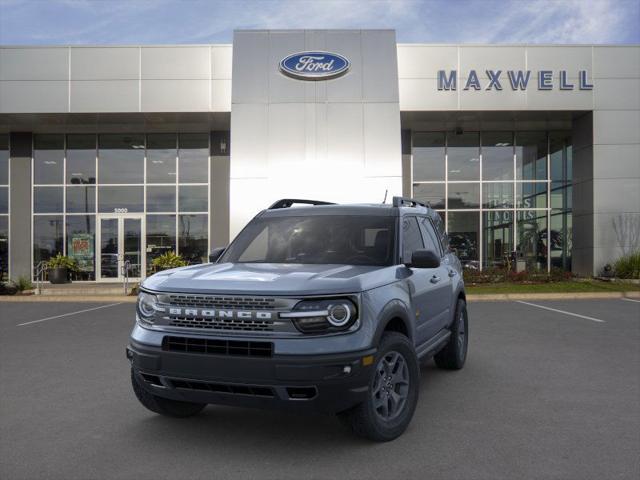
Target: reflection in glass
[[464, 195], [531, 155], [498, 237], [531, 249], [193, 198], [464, 234], [81, 199], [4, 199], [109, 248], [121, 158], [81, 159], [112, 198], [48, 159], [561, 195], [497, 195], [161, 158], [531, 195], [428, 157], [4, 159], [47, 199], [132, 243], [561, 239], [463, 156], [433, 193], [161, 237], [81, 245], [193, 157], [497, 156], [194, 235], [47, 237], [161, 199], [4, 247]]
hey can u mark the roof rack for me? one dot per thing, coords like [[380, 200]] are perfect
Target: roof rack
[[408, 202], [288, 202]]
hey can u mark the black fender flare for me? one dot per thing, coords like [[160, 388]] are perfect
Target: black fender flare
[[393, 309]]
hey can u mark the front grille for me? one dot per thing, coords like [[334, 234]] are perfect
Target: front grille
[[222, 324], [223, 302], [254, 390], [217, 347]]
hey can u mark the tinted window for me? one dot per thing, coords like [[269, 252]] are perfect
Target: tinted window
[[161, 158], [346, 240], [81, 159], [121, 159], [411, 238], [194, 235], [48, 159], [431, 241], [193, 164]]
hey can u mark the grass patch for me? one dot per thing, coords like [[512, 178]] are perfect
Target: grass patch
[[553, 287]]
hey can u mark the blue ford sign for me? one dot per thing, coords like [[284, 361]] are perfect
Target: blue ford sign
[[314, 65]]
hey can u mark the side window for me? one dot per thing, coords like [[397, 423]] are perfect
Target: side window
[[431, 241], [411, 237], [440, 230]]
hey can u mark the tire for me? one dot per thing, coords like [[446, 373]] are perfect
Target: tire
[[454, 353], [164, 406], [368, 419]]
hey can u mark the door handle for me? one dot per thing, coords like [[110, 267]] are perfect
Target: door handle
[[452, 273], [435, 279]]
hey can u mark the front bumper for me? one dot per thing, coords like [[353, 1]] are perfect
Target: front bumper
[[316, 383]]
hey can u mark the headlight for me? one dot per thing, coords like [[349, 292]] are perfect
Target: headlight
[[323, 316], [147, 303]]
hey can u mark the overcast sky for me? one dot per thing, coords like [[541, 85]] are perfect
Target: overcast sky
[[213, 21]]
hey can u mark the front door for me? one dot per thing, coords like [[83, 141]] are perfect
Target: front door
[[120, 247]]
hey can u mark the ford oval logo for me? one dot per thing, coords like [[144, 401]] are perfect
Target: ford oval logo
[[314, 65]]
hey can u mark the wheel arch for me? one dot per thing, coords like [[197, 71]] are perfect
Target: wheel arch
[[395, 318]]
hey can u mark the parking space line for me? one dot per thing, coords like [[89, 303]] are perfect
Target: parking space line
[[630, 300], [562, 311], [67, 314]]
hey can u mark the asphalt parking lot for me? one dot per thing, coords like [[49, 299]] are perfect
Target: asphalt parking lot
[[548, 392]]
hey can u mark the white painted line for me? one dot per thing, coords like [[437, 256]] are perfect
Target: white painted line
[[630, 300], [67, 314], [562, 311]]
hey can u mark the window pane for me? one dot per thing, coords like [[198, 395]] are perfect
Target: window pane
[[464, 195], [121, 159], [81, 199], [193, 199], [48, 159], [112, 198], [81, 240], [464, 232], [497, 156], [531, 155], [463, 153], [531, 195], [497, 195], [428, 157], [560, 195], [4, 247], [411, 238], [194, 158], [498, 237], [433, 193], [4, 199], [4, 159], [161, 158], [47, 199], [81, 159], [161, 237], [559, 152], [429, 236], [193, 237], [47, 237], [561, 239], [161, 199], [531, 250]]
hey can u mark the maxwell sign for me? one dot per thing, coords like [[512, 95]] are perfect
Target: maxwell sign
[[314, 65]]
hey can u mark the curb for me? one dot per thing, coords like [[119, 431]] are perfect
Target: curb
[[68, 298]]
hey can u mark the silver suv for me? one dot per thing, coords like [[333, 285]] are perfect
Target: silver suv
[[313, 307]]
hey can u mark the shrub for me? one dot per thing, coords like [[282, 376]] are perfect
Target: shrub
[[23, 283], [167, 260], [62, 261], [498, 275], [628, 266]]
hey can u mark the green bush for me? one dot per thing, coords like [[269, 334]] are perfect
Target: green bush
[[501, 275], [628, 266], [62, 261], [23, 283], [166, 261]]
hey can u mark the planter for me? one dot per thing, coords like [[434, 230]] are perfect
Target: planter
[[59, 275]]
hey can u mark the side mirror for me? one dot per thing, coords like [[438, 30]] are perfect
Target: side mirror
[[424, 259], [215, 254]]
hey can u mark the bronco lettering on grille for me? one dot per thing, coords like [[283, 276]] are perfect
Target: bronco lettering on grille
[[211, 313]]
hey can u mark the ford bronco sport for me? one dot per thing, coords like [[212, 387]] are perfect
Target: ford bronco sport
[[321, 307]]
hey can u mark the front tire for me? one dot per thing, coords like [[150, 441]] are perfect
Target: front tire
[[454, 354], [164, 406], [392, 395]]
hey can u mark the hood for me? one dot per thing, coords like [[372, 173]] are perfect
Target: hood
[[271, 279]]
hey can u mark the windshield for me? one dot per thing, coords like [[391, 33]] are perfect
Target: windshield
[[347, 240]]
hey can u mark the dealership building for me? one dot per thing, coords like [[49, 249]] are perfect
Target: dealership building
[[114, 154]]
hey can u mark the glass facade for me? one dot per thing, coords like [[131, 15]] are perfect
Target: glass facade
[[4, 206], [505, 196], [111, 198]]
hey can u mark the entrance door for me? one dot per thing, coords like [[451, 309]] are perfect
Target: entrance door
[[120, 247]]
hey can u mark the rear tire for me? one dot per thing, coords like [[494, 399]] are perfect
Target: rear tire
[[454, 354], [164, 406], [392, 395]]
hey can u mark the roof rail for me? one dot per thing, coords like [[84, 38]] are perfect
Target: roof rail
[[288, 202], [408, 202]]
